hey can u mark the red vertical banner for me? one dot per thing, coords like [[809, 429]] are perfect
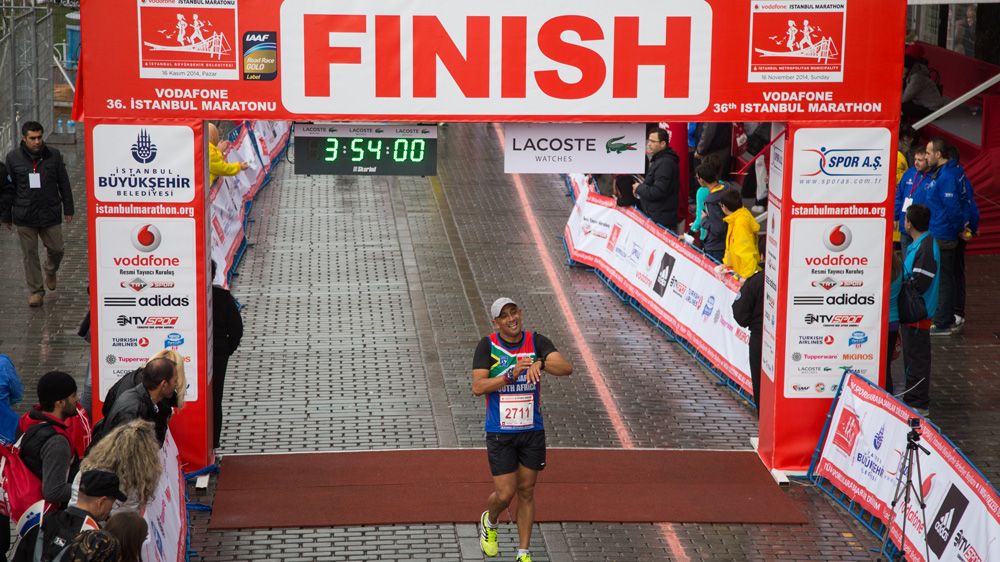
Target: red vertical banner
[[149, 283], [825, 295]]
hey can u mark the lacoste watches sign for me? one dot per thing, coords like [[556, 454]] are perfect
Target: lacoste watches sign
[[599, 148]]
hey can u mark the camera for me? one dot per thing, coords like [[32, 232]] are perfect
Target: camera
[[914, 423]]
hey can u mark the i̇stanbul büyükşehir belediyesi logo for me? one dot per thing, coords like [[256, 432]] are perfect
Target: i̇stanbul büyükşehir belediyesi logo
[[143, 151]]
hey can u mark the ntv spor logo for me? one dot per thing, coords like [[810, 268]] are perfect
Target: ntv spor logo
[[846, 162], [146, 237], [143, 150]]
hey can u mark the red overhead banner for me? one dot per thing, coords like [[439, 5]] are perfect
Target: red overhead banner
[[520, 60]]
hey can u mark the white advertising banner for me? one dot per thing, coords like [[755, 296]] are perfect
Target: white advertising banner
[[146, 294], [585, 148], [834, 303], [862, 455], [670, 279], [842, 165], [166, 513], [144, 163]]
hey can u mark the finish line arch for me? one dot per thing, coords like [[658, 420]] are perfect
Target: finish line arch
[[812, 66]]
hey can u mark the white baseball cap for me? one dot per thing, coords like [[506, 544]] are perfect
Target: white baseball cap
[[498, 305]]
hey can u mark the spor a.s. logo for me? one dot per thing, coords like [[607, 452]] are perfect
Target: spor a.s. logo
[[846, 162]]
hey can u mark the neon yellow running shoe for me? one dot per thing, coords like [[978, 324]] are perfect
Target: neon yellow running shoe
[[526, 557], [488, 537]]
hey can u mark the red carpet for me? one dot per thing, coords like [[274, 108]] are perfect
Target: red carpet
[[451, 486]]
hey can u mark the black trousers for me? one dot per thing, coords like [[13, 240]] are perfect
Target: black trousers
[[756, 348], [917, 365], [944, 317], [219, 363], [890, 346], [960, 278]]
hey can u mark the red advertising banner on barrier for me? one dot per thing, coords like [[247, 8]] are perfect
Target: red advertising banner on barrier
[[450, 60], [863, 454], [670, 279]]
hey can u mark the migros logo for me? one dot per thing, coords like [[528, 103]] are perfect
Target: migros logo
[[549, 58]]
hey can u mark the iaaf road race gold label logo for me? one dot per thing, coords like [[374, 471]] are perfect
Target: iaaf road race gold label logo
[[193, 39]]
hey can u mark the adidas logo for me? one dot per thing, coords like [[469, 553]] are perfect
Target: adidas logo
[[943, 525]]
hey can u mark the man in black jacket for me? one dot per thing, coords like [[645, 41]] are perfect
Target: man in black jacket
[[36, 201], [227, 331], [659, 191], [748, 311], [151, 400]]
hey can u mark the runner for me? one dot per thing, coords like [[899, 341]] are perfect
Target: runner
[[508, 368]]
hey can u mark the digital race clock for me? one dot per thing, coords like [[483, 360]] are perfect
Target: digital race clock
[[365, 149]]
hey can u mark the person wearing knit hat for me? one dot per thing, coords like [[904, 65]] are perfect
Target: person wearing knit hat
[[45, 446]]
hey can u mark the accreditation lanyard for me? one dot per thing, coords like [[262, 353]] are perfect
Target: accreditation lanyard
[[34, 178]]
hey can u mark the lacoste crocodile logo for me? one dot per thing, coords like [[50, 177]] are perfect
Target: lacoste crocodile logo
[[618, 147]]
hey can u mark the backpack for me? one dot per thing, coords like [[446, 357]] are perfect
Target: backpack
[[20, 488]]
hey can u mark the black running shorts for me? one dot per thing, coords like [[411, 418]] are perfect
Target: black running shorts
[[508, 450]]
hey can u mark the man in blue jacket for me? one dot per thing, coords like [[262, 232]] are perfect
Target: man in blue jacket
[[948, 201], [921, 268], [912, 190]]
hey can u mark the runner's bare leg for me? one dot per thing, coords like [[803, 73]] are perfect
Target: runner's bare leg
[[525, 503]]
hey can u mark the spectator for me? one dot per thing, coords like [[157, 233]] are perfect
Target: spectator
[[921, 96], [947, 200], [659, 191], [713, 224], [11, 392], [911, 189], [906, 137], [227, 331], [36, 202], [98, 492], [895, 286], [46, 447], [742, 255], [131, 453], [716, 140], [748, 311], [971, 229], [93, 546], [151, 399], [217, 165], [921, 268], [131, 531], [760, 138]]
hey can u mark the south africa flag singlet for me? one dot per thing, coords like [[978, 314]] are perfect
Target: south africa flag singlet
[[515, 407]]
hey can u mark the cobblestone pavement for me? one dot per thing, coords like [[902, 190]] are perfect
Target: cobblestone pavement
[[364, 300]]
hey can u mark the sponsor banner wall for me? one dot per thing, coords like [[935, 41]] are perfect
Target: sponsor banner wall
[[521, 60], [554, 148], [166, 513], [862, 455], [670, 279]]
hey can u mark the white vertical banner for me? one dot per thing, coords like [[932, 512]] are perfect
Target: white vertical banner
[[166, 512]]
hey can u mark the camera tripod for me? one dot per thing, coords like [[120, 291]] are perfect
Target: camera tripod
[[905, 490]]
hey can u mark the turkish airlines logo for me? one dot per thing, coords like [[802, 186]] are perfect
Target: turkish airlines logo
[[146, 238], [444, 55], [837, 238]]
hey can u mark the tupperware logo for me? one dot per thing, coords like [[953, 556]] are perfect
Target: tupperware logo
[[845, 162]]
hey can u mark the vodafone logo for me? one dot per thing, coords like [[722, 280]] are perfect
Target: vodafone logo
[[837, 238], [146, 237]]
